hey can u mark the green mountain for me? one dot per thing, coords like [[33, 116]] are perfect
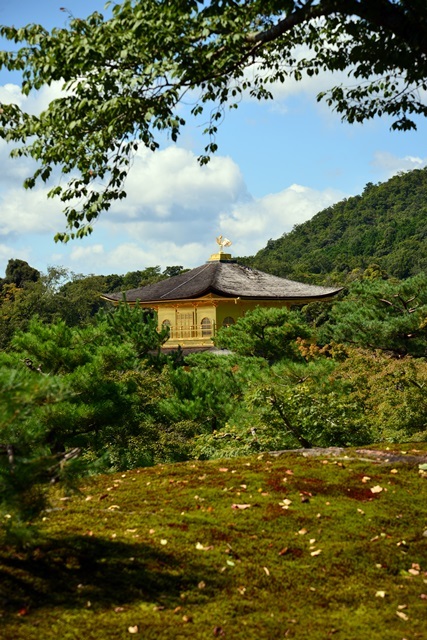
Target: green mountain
[[386, 225]]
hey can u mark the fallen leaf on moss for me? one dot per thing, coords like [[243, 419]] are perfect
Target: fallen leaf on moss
[[402, 615], [134, 629], [240, 506], [200, 547], [376, 489]]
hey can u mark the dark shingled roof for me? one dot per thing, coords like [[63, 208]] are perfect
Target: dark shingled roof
[[225, 279]]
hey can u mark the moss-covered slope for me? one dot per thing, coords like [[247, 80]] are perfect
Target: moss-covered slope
[[259, 547]]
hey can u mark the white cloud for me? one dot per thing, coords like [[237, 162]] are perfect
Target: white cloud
[[175, 209], [253, 223], [13, 171], [169, 217], [6, 253], [171, 198], [131, 256], [36, 101], [171, 180], [162, 187], [249, 224], [86, 253], [24, 212], [388, 164]]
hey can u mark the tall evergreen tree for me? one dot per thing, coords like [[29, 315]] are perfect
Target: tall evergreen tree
[[382, 314]]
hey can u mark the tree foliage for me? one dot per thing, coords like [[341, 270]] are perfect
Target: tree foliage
[[380, 314], [55, 295], [85, 396], [60, 294], [26, 460], [386, 225], [391, 393], [125, 76], [18, 272], [266, 333]]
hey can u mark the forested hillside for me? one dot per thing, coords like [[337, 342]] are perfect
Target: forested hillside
[[386, 225]]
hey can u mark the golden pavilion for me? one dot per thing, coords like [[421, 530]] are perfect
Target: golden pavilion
[[195, 304]]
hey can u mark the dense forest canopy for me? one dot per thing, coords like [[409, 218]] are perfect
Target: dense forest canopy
[[386, 226], [62, 295], [125, 78]]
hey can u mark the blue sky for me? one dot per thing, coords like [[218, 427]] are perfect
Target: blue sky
[[278, 164]]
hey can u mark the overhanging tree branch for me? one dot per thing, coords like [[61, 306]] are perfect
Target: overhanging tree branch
[[124, 78]]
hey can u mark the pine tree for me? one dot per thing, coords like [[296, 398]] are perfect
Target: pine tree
[[382, 314]]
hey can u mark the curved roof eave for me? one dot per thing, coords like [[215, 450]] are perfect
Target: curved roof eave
[[227, 295]]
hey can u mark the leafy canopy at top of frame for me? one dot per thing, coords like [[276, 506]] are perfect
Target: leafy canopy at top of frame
[[125, 76]]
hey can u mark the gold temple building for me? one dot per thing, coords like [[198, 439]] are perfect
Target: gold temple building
[[195, 304]]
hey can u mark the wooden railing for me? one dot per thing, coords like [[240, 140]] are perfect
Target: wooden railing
[[192, 332]]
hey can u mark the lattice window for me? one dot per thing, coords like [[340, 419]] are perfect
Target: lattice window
[[185, 324], [228, 321], [206, 325]]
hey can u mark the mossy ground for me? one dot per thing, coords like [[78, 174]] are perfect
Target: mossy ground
[[177, 552]]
